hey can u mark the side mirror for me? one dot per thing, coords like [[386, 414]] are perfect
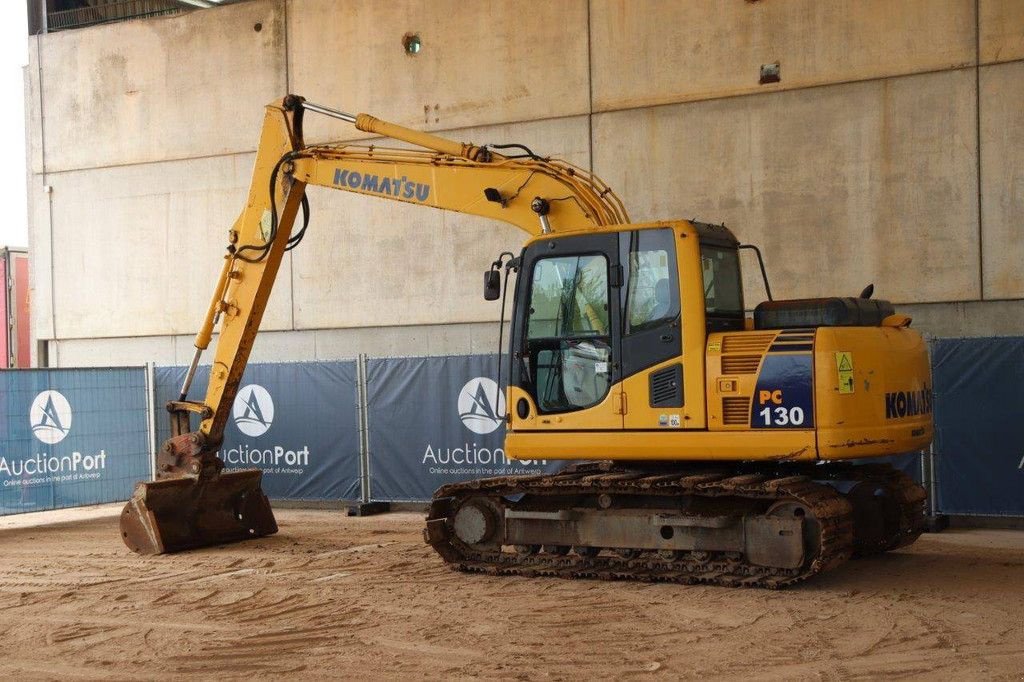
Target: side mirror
[[492, 285]]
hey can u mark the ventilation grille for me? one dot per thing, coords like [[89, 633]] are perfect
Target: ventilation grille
[[740, 364], [736, 411], [746, 343], [666, 387]]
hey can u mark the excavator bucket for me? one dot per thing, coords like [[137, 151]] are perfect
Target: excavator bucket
[[175, 514]]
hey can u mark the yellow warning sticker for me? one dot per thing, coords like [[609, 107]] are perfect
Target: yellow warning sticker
[[844, 367], [714, 346]]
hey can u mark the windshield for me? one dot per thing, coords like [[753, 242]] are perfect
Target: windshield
[[723, 289], [569, 297], [567, 331]]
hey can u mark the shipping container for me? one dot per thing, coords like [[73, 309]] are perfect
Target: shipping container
[[15, 338]]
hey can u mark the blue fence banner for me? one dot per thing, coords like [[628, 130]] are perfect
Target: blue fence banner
[[436, 420], [298, 422], [71, 437], [979, 420]]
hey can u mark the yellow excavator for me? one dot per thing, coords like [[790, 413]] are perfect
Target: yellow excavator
[[709, 446]]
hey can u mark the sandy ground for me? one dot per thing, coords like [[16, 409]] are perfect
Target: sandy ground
[[363, 598]]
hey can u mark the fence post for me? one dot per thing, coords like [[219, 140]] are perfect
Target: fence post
[[365, 506], [933, 505], [364, 468], [936, 521], [151, 417]]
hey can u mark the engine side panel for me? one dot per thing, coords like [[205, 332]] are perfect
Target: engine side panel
[[873, 392], [761, 380]]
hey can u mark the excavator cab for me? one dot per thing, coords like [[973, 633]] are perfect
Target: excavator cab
[[608, 324]]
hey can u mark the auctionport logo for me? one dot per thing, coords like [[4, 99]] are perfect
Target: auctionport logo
[[50, 417], [482, 411], [481, 405], [253, 410]]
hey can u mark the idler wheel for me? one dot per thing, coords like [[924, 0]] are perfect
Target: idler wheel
[[473, 524]]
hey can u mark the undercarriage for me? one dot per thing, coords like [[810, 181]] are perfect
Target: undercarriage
[[734, 525]]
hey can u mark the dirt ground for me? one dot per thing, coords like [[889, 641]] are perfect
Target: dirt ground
[[364, 598]]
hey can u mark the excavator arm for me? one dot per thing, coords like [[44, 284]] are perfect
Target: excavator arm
[[194, 502]]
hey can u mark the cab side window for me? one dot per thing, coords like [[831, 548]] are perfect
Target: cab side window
[[723, 288], [651, 298]]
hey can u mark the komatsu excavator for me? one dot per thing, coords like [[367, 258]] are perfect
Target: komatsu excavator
[[711, 446]]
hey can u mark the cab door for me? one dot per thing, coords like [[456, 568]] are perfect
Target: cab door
[[566, 339], [652, 339]]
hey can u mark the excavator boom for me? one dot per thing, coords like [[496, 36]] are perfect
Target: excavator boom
[[194, 502]]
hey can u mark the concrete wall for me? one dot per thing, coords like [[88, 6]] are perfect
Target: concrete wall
[[1002, 177], [485, 62], [845, 179], [890, 151], [687, 51]]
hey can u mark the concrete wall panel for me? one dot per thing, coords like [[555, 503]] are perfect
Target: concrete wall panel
[[287, 346], [39, 263], [274, 346], [117, 352], [33, 114], [438, 339], [484, 62], [371, 262], [967, 318], [1002, 179], [660, 51], [166, 88], [1001, 30], [841, 186], [140, 246]]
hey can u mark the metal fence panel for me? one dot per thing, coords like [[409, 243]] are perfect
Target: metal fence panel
[[436, 420], [71, 437], [979, 425], [295, 421], [5, 332]]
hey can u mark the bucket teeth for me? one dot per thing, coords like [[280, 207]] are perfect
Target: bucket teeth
[[175, 514]]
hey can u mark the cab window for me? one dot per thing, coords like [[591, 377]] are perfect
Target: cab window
[[723, 289], [651, 298], [567, 330]]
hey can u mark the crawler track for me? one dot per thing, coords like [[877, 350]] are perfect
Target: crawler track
[[833, 513]]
